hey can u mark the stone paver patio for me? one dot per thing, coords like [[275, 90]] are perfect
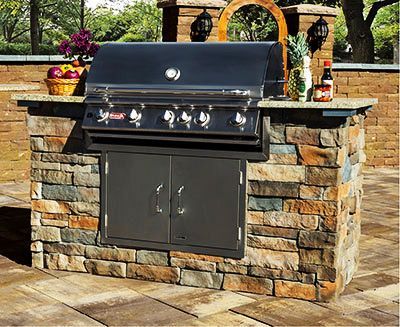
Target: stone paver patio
[[43, 297]]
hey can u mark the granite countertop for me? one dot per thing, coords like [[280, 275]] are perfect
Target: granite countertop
[[18, 87], [336, 104], [47, 98]]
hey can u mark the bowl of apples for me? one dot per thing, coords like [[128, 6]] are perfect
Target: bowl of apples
[[65, 80]]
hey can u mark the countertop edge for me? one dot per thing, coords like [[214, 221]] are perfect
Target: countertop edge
[[47, 98], [336, 104]]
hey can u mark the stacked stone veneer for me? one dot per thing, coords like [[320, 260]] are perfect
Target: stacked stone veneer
[[303, 219]]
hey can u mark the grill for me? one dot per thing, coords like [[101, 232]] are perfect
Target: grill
[[175, 123]]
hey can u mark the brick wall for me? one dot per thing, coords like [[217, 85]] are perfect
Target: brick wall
[[14, 142], [382, 124]]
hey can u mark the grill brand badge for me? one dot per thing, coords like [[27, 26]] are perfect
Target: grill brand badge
[[117, 115], [172, 74]]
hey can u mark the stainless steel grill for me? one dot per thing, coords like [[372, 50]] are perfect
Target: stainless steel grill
[[176, 123], [185, 93]]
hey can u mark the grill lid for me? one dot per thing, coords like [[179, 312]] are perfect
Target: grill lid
[[186, 70]]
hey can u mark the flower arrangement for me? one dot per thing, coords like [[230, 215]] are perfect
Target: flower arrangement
[[80, 46], [69, 79]]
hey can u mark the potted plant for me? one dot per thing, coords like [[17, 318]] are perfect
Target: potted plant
[[69, 79]]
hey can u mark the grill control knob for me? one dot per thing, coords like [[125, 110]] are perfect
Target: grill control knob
[[202, 118], [135, 116], [184, 118], [238, 119], [168, 117], [102, 115]]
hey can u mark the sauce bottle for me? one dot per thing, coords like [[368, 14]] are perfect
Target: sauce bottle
[[327, 78]]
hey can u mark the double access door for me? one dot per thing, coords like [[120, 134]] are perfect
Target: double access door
[[170, 202]]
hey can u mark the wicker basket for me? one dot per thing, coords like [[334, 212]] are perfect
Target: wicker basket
[[65, 87]]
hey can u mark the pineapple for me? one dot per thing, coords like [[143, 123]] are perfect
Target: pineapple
[[297, 48]]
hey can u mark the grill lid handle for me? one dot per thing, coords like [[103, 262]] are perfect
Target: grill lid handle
[[105, 91], [236, 92]]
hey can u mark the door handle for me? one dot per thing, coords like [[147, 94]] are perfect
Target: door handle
[[158, 191], [180, 208]]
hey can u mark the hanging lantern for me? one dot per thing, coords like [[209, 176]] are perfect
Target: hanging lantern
[[201, 27], [317, 34]]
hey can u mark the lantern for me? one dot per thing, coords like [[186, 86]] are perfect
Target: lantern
[[201, 27], [317, 34]]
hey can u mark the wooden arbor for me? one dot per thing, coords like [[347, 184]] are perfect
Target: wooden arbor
[[235, 5]]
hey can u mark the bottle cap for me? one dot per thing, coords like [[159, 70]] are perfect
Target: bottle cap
[[327, 63]]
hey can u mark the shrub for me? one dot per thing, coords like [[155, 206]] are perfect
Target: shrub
[[25, 49]]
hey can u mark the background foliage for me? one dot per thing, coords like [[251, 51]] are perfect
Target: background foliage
[[141, 20]]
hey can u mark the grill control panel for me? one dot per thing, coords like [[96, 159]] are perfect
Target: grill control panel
[[202, 120]]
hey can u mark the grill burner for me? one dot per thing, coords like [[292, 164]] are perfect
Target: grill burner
[[175, 123]]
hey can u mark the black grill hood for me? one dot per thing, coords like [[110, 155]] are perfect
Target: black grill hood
[[228, 70]]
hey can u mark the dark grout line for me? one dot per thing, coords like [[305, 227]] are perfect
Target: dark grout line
[[67, 305], [170, 305], [144, 295], [391, 314], [247, 316]]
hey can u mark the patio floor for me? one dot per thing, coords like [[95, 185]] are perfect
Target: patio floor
[[42, 297]]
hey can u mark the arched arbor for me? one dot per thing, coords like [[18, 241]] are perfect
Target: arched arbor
[[235, 5]]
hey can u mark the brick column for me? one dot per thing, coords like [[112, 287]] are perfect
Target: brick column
[[178, 15], [300, 18]]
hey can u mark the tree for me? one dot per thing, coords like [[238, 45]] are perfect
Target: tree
[[253, 22], [360, 29], [144, 20], [386, 32], [138, 22], [360, 34], [34, 20], [14, 24]]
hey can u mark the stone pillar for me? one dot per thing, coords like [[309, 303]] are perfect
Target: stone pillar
[[178, 15], [300, 18]]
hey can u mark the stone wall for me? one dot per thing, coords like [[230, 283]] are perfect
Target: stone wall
[[382, 126], [303, 219]]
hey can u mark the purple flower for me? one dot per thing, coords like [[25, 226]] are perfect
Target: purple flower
[[65, 48], [80, 45], [94, 47]]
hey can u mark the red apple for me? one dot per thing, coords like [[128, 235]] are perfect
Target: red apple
[[71, 74], [54, 72]]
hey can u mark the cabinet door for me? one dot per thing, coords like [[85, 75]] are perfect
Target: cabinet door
[[138, 197], [205, 202]]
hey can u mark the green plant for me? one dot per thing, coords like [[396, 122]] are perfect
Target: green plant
[[25, 49], [297, 48]]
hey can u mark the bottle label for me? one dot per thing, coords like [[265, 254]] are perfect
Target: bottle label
[[329, 82]]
